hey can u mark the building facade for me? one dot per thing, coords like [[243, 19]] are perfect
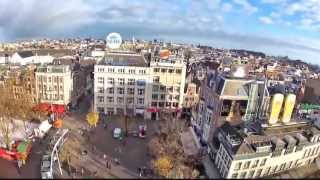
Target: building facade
[[128, 83], [264, 155], [54, 84]]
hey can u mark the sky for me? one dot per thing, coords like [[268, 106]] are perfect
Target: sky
[[276, 27]]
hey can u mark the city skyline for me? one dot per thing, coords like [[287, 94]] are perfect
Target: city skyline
[[276, 27]]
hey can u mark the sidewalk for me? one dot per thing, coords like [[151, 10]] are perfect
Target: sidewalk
[[210, 169]]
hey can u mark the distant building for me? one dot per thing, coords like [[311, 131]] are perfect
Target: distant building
[[129, 83], [272, 151], [191, 96], [54, 84], [227, 98]]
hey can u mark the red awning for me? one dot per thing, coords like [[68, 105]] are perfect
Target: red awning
[[153, 110], [45, 107]]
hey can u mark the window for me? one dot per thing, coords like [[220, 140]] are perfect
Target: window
[[162, 97], [258, 173], [156, 70], [49, 79], [263, 162], [140, 91], [170, 70], [100, 89], [120, 70], [255, 164], [120, 100], [177, 97], [100, 109], [168, 104], [163, 70], [155, 88], [161, 104], [110, 81], [131, 82], [175, 104], [246, 165], [177, 89], [234, 175], [251, 173], [266, 171], [140, 100], [130, 100], [156, 79], [141, 82], [100, 69], [130, 91], [110, 70], [110, 111], [100, 99], [162, 88], [243, 174], [110, 99], [142, 71], [100, 80], [132, 71], [61, 79], [154, 104], [170, 89], [120, 90], [238, 166], [154, 96], [60, 87], [121, 81], [178, 71]]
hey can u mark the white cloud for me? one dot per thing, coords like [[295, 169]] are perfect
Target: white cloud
[[249, 8], [266, 20], [226, 7]]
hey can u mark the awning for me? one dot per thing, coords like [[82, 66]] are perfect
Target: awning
[[153, 110], [139, 111]]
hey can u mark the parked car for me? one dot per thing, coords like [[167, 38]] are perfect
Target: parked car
[[117, 133]]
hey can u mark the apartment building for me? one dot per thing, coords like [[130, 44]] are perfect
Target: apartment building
[[54, 84], [21, 82], [264, 154], [129, 83]]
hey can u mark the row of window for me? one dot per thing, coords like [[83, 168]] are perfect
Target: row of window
[[121, 81], [156, 79], [250, 164], [311, 152], [164, 104], [122, 70], [161, 88], [121, 91], [164, 70], [270, 170], [120, 100], [51, 96], [44, 87], [55, 79], [162, 97]]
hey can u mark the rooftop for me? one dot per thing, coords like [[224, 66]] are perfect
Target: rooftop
[[280, 136], [123, 59]]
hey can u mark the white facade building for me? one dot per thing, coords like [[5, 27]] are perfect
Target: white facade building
[[54, 84], [127, 83], [256, 156]]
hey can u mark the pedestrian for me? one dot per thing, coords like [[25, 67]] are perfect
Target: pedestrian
[[124, 142], [139, 170], [104, 156]]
